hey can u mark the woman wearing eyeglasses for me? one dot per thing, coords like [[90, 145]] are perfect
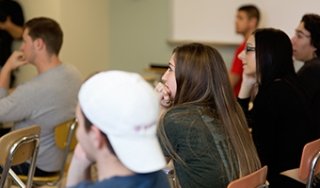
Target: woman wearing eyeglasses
[[279, 117]]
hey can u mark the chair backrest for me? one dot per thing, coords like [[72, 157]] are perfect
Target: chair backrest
[[171, 175], [256, 179], [17, 147], [309, 153], [63, 132], [65, 139]]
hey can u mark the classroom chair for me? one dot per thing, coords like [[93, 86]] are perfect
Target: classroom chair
[[17, 147], [308, 165], [66, 141], [257, 179], [170, 172]]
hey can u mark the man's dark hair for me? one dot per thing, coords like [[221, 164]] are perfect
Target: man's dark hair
[[312, 24], [87, 126], [252, 11], [48, 30]]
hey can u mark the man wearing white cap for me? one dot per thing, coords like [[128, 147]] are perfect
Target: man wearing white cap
[[117, 116]]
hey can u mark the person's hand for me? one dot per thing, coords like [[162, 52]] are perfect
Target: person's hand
[[249, 80], [81, 156], [16, 60], [165, 95], [79, 169], [247, 84]]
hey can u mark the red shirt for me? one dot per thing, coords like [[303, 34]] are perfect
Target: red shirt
[[236, 67]]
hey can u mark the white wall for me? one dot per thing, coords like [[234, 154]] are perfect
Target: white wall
[[113, 34], [85, 26], [139, 33], [213, 21], [139, 30]]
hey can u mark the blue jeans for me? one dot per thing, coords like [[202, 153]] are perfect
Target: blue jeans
[[23, 169]]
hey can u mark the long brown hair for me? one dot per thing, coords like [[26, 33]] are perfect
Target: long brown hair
[[202, 78]]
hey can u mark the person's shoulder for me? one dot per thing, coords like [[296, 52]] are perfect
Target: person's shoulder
[[180, 116], [280, 86], [282, 90], [188, 114], [70, 69], [314, 62], [182, 110], [68, 66], [105, 183], [157, 179], [84, 184], [147, 180], [161, 180], [310, 67]]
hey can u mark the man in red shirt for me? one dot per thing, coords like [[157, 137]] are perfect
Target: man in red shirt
[[247, 20]]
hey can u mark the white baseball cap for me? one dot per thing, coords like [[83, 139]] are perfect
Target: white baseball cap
[[126, 108]]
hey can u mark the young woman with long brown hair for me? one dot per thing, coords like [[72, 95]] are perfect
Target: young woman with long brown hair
[[203, 129]]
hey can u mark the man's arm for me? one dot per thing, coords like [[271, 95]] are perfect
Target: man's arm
[[14, 61], [14, 107], [79, 169]]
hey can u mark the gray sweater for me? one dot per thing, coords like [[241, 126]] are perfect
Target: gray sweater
[[46, 100]]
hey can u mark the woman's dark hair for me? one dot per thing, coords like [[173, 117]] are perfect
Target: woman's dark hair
[[273, 55]]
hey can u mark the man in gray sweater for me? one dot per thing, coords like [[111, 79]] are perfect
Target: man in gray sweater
[[48, 99]]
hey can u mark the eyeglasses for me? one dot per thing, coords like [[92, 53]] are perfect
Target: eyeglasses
[[250, 49]]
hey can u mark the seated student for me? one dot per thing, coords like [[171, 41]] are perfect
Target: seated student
[[279, 118], [306, 48], [117, 116], [203, 130], [48, 99]]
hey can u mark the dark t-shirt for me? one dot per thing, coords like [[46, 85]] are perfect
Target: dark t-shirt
[[198, 137], [151, 180]]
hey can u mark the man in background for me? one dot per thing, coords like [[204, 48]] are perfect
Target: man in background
[[306, 48], [48, 99], [247, 20]]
